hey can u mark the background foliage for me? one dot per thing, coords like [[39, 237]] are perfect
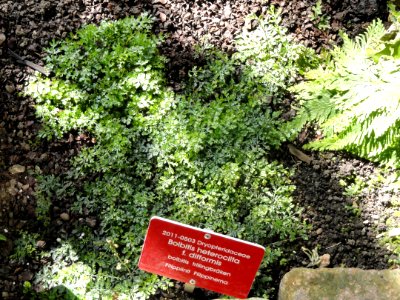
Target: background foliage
[[200, 157]]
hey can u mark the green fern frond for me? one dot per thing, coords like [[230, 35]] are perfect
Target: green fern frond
[[319, 110], [363, 44], [355, 99], [382, 123]]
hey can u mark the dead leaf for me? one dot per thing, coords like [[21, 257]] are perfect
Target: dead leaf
[[299, 154]]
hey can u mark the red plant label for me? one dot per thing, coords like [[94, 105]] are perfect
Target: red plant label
[[200, 257]]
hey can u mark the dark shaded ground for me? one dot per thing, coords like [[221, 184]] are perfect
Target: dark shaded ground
[[29, 26]]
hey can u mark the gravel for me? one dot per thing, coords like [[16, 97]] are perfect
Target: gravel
[[26, 27]]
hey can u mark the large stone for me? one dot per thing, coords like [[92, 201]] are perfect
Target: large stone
[[340, 284]]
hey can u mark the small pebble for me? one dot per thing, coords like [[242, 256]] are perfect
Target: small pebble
[[10, 88], [351, 242], [319, 231], [91, 222], [40, 244], [316, 167], [16, 169], [163, 17], [25, 276], [2, 38], [394, 232], [325, 260], [64, 216]]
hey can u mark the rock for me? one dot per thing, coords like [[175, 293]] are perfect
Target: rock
[[10, 88], [319, 231], [6, 248], [25, 146], [327, 173], [44, 157], [168, 295], [394, 232], [16, 169], [325, 260], [19, 30], [346, 169], [64, 217], [163, 17], [375, 217], [40, 244], [227, 11], [316, 167], [12, 187], [351, 242], [2, 38], [91, 222], [340, 283], [25, 276], [12, 43]]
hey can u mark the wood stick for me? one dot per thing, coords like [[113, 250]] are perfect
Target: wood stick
[[28, 63]]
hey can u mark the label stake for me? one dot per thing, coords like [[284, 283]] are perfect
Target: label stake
[[189, 286]]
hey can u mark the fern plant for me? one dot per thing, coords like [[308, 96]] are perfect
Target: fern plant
[[270, 56], [354, 98], [200, 157]]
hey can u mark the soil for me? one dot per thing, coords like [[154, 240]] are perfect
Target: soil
[[29, 26]]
